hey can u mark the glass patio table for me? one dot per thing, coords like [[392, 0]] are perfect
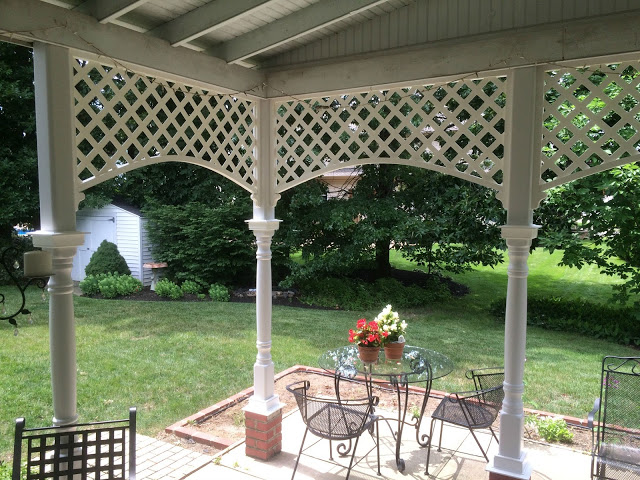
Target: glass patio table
[[416, 367]]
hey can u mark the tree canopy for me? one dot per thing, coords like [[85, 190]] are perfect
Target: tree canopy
[[19, 202], [596, 221]]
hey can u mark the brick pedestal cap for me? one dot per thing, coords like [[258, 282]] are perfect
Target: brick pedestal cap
[[499, 476], [263, 434]]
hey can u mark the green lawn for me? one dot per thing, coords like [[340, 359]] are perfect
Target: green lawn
[[172, 359]]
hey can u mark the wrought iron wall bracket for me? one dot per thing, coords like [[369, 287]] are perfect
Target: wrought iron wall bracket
[[40, 282]]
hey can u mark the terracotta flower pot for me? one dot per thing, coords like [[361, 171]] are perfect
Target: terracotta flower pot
[[368, 354], [393, 350]]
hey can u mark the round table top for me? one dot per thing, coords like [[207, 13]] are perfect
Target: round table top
[[413, 365]]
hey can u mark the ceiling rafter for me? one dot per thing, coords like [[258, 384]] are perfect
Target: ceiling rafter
[[293, 26], [106, 11], [37, 21], [205, 19]]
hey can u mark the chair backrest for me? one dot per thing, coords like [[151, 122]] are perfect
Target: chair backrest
[[88, 450], [486, 378], [482, 407], [619, 414], [332, 418]]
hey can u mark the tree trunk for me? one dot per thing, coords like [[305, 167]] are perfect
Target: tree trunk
[[383, 264]]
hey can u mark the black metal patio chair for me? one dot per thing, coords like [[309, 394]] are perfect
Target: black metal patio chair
[[88, 450], [336, 419], [474, 409], [616, 434]]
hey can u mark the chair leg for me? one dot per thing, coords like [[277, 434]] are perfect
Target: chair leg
[[476, 439], [300, 452], [426, 470], [378, 445], [440, 440], [494, 435], [355, 447]]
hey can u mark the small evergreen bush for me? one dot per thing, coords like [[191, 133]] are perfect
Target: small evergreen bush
[[616, 324], [107, 259], [166, 288], [219, 293]]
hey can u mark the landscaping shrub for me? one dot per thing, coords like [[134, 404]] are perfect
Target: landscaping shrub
[[191, 287], [90, 284], [356, 294], [107, 259], [219, 293], [204, 243], [620, 325], [166, 288], [110, 285], [550, 428]]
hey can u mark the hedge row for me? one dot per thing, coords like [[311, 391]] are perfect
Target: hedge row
[[617, 324]]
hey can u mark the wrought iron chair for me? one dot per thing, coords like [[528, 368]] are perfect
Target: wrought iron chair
[[336, 419], [474, 409], [616, 435], [89, 450]]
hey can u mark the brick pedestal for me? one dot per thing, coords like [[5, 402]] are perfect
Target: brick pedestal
[[263, 434], [498, 476]]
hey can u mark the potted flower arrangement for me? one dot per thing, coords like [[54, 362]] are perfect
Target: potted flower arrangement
[[369, 339], [390, 324]]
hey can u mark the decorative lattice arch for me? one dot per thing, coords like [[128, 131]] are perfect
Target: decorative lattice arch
[[455, 128], [591, 121], [126, 120]]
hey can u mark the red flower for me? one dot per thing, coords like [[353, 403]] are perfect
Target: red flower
[[366, 333]]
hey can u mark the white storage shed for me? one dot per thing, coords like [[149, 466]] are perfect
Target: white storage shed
[[120, 224]]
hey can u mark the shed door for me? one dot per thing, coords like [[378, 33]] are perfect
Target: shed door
[[98, 229]]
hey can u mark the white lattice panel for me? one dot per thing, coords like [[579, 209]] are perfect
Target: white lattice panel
[[591, 121], [125, 120], [456, 128]]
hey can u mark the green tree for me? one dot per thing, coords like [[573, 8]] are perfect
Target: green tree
[[439, 221], [596, 221], [203, 243], [19, 203]]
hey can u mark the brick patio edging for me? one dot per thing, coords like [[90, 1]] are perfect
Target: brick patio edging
[[183, 427]]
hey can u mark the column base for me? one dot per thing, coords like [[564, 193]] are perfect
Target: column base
[[505, 468], [263, 433]]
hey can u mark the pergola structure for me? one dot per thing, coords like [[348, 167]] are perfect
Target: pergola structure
[[272, 93]]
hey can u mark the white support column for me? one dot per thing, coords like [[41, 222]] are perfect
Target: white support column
[[520, 196], [56, 169], [263, 413], [263, 398]]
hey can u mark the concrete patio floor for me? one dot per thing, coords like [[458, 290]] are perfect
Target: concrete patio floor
[[459, 459]]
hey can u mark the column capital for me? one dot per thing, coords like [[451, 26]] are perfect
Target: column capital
[[47, 239], [519, 232], [263, 225]]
